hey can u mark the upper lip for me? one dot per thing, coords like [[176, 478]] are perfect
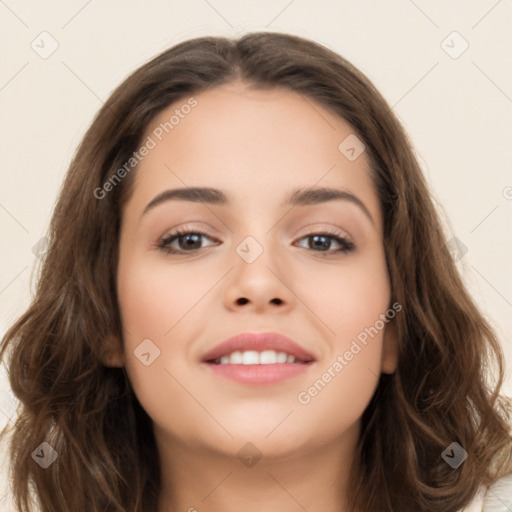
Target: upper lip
[[259, 342]]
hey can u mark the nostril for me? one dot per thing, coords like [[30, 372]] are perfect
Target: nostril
[[242, 300]]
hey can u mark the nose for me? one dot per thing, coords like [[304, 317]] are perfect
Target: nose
[[260, 285]]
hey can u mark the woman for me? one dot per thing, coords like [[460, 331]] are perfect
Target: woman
[[247, 303]]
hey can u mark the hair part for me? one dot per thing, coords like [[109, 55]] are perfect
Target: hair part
[[107, 458]]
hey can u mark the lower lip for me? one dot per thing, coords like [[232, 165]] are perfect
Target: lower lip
[[259, 374]]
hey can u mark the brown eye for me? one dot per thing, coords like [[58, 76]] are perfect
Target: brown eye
[[184, 241], [322, 242]]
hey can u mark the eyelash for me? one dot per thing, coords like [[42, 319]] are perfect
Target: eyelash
[[346, 245]]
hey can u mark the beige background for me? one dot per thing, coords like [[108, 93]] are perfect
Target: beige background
[[456, 108]]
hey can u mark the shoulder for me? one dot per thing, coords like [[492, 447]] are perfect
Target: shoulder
[[496, 498]]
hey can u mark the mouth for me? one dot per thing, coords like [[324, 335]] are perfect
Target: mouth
[[258, 358], [251, 357]]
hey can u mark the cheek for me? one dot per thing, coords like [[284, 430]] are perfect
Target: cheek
[[348, 299], [153, 297], [351, 303], [162, 304]]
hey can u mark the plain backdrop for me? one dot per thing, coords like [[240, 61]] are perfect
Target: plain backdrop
[[445, 67]]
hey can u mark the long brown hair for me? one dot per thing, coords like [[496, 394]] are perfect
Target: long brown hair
[[441, 392]]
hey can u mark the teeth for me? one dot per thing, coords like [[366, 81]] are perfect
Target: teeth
[[281, 357], [250, 357], [268, 357], [236, 358], [254, 357]]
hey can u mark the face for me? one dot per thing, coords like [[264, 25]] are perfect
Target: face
[[261, 254]]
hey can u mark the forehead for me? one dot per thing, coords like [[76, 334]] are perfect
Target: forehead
[[260, 118], [257, 145]]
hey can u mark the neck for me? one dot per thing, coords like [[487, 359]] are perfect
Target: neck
[[313, 478]]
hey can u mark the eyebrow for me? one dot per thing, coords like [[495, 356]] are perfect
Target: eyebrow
[[298, 197]]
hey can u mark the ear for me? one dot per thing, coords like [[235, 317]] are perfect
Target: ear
[[113, 353], [389, 361]]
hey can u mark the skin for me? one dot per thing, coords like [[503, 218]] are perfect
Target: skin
[[256, 146]]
